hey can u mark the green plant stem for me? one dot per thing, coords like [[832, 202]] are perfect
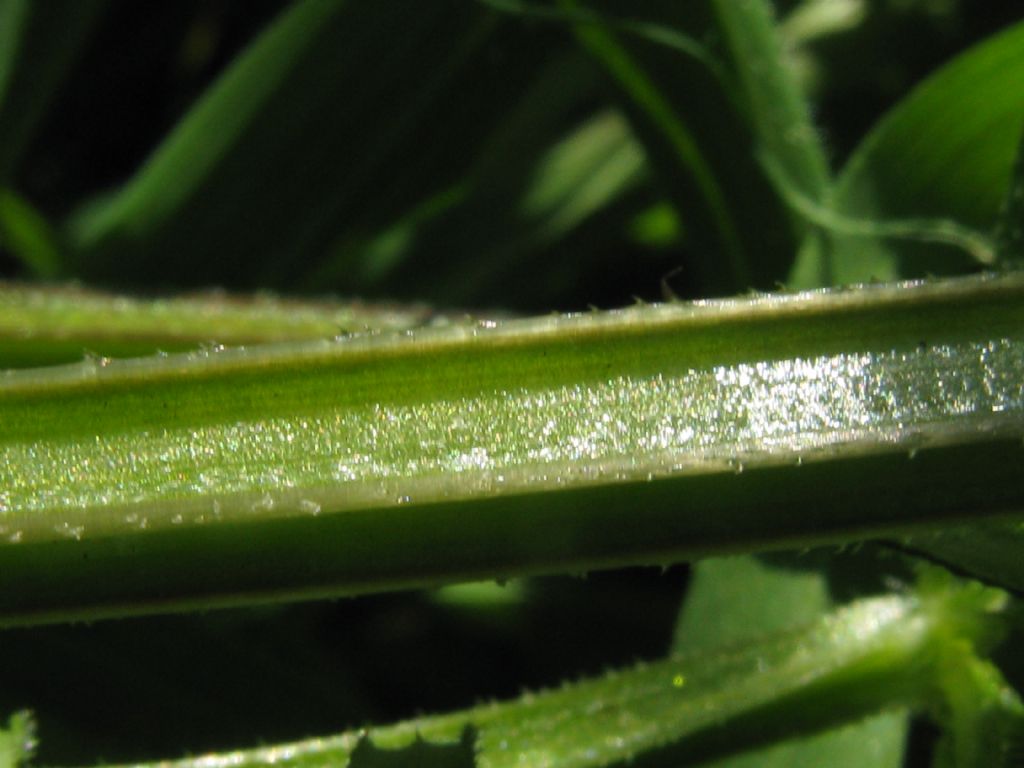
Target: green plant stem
[[60, 324], [378, 461], [875, 654], [778, 110]]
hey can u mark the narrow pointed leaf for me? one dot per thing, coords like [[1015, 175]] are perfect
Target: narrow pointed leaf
[[485, 236], [699, 140], [207, 135], [776, 108], [780, 115], [26, 235], [315, 130]]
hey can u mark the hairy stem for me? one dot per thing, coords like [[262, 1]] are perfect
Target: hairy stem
[[377, 461]]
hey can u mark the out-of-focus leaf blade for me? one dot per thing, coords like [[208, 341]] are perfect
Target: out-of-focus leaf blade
[[340, 117], [577, 176], [877, 741], [418, 754], [769, 116], [17, 741], [777, 108], [208, 133], [735, 600], [539, 176], [38, 43], [814, 19], [728, 266], [700, 144], [26, 234], [505, 231], [944, 153]]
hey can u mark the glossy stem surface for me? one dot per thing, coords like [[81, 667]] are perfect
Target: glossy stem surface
[[377, 461]]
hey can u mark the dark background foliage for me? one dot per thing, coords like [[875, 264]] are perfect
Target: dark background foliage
[[519, 86]]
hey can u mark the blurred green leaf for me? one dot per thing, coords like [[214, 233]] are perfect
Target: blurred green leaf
[[944, 155], [339, 118], [785, 135], [579, 174], [775, 105], [17, 741], [808, 24], [946, 232], [698, 132], [38, 43], [211, 130], [365, 261], [585, 172], [706, 120], [814, 19], [727, 266], [539, 176], [26, 234], [738, 599]]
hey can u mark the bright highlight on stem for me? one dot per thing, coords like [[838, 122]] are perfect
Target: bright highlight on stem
[[397, 459]]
